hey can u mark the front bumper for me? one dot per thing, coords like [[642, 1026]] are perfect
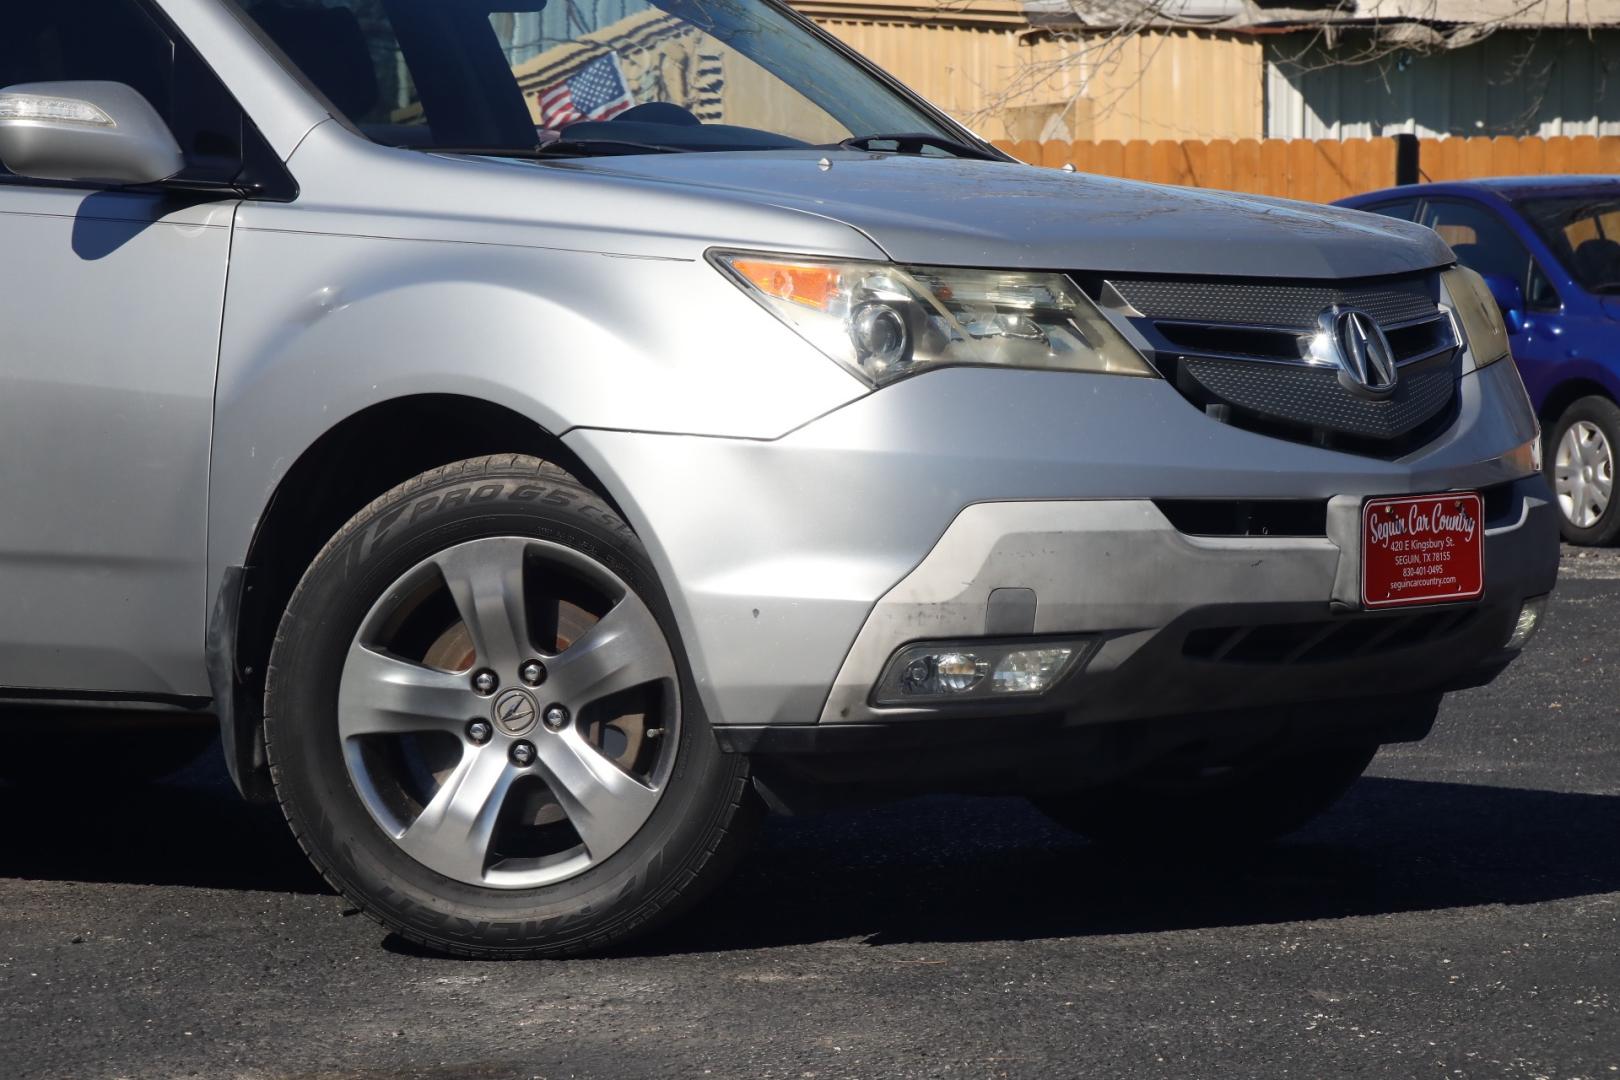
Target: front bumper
[[796, 566], [1176, 624]]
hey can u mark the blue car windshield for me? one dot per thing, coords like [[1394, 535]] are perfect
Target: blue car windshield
[[1584, 232], [624, 75]]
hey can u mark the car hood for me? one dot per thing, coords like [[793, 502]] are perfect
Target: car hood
[[997, 214]]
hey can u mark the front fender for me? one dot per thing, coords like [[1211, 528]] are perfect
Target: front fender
[[318, 328], [1543, 380]]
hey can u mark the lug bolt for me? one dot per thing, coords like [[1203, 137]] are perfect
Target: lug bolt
[[555, 717], [485, 682], [479, 731], [522, 754], [532, 673]]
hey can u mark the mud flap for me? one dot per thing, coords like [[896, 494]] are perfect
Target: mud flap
[[241, 723]]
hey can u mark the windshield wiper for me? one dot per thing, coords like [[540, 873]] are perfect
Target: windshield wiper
[[559, 148], [591, 147], [913, 142]]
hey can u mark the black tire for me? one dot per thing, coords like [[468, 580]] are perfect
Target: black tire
[[698, 828], [1605, 416], [44, 747], [1210, 812]]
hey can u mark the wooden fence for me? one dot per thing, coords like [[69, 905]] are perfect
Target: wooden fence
[[1324, 170], [1464, 159]]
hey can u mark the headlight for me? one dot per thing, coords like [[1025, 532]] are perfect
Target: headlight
[[1478, 314], [884, 322]]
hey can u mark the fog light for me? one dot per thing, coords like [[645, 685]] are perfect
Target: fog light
[[918, 674], [1529, 621], [1029, 671], [957, 672], [942, 671]]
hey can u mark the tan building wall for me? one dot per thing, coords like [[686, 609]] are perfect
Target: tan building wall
[[976, 59], [1006, 83]]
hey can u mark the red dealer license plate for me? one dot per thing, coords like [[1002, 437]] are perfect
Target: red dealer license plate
[[1424, 550]]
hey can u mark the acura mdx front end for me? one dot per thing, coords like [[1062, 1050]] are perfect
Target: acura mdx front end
[[547, 435]]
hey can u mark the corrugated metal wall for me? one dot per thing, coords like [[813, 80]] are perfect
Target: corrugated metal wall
[[1180, 85], [957, 68], [1512, 83], [1183, 84]]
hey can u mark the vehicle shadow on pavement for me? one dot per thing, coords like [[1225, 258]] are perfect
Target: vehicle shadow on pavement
[[951, 870], [194, 830], [939, 869]]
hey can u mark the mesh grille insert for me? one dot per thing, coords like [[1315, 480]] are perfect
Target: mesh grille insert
[[1246, 353], [1284, 305], [1313, 396]]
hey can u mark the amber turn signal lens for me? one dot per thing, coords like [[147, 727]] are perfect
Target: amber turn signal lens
[[1526, 458], [802, 283]]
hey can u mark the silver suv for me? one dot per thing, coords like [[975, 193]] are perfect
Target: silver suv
[[545, 437]]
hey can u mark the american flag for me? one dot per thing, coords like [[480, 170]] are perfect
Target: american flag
[[596, 91], [710, 86]]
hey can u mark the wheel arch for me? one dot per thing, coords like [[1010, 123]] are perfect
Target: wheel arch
[[335, 477], [1565, 394]]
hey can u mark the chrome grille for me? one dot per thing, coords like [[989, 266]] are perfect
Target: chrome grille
[[1243, 351], [1412, 342]]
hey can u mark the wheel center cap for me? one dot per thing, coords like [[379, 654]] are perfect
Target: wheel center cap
[[515, 711]]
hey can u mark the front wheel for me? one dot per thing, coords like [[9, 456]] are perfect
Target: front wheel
[[480, 724], [1207, 810], [1580, 466]]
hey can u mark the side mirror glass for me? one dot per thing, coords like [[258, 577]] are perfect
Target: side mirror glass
[[94, 132], [1509, 296]]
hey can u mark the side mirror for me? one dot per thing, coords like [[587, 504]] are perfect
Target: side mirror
[[1509, 296], [94, 132]]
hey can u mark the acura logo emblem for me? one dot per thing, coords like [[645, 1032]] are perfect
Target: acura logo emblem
[[515, 711], [1366, 362]]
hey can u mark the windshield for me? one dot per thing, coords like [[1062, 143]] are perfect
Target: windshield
[[1584, 232], [620, 75]]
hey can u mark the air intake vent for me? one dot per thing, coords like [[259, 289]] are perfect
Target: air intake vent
[[1323, 642]]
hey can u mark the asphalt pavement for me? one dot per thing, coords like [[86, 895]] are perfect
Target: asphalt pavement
[[1458, 915]]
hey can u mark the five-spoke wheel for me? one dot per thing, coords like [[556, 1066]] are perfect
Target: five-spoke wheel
[[480, 724], [545, 756]]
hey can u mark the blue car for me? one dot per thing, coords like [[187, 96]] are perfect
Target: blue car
[[1549, 247]]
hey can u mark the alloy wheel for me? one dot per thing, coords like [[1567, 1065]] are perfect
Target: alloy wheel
[[509, 712], [1583, 474]]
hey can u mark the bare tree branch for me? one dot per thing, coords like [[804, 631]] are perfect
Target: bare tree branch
[[1102, 39]]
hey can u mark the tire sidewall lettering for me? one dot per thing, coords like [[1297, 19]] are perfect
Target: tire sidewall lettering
[[380, 533]]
